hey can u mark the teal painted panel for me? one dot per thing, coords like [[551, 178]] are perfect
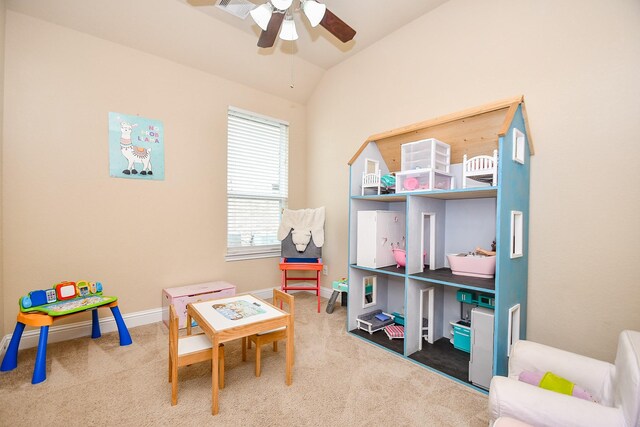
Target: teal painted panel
[[511, 273]]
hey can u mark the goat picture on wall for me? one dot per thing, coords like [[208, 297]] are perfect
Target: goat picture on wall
[[136, 147]]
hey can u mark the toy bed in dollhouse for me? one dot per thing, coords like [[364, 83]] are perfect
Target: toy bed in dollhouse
[[371, 175], [371, 180], [480, 168]]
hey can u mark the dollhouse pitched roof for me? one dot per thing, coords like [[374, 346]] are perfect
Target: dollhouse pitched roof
[[473, 132]]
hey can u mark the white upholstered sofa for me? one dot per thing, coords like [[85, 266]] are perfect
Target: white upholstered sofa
[[615, 387]]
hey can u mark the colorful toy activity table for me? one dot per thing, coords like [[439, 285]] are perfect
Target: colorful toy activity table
[[45, 315]]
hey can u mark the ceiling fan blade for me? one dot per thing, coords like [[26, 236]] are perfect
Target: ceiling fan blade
[[268, 37], [337, 27]]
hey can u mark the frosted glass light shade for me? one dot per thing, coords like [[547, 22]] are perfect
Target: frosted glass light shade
[[314, 11], [281, 4], [288, 30], [262, 15]]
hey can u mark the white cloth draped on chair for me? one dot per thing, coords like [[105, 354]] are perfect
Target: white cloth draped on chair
[[304, 224]]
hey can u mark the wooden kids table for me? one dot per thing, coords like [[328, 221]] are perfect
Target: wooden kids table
[[227, 319]]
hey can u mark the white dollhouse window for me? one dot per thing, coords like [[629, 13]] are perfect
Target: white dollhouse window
[[518, 146], [369, 291], [371, 166], [513, 330], [516, 234]]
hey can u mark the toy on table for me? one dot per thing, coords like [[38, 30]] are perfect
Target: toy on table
[[40, 308], [339, 286], [65, 298]]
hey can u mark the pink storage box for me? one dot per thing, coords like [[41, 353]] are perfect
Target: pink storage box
[[183, 295]]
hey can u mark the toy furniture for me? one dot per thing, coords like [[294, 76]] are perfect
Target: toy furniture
[[45, 315], [371, 176], [370, 323], [251, 316], [394, 331], [481, 359], [480, 168], [472, 265], [187, 350], [425, 166], [442, 221], [614, 387], [379, 232], [301, 264], [425, 154], [423, 180], [340, 287], [273, 336], [371, 180]]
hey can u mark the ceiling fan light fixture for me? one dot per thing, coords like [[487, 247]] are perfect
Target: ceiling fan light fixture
[[288, 30], [282, 4], [314, 11], [262, 15]]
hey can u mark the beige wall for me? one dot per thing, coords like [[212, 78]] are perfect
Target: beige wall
[[577, 64], [66, 219], [2, 25]]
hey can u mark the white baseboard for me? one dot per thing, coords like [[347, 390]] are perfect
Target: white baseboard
[[108, 324]]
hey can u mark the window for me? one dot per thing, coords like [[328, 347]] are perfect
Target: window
[[518, 146], [517, 232], [257, 183]]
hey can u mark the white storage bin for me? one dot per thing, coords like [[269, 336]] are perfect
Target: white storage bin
[[426, 154], [377, 231], [423, 180]]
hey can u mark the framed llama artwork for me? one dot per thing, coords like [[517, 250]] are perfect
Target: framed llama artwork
[[136, 147]]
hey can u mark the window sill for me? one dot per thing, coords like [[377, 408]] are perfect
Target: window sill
[[247, 256]]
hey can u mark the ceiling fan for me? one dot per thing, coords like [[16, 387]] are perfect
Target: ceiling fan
[[275, 17]]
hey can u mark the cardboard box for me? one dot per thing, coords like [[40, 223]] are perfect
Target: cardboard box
[[183, 295]]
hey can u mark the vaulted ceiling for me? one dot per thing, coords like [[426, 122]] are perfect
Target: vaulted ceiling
[[198, 34]]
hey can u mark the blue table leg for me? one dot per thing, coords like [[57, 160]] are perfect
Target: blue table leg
[[125, 338], [10, 360], [40, 369], [95, 324]]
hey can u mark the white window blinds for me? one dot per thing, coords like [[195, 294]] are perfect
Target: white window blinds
[[257, 183]]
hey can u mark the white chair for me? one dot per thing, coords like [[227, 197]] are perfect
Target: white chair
[[615, 387], [273, 336], [188, 350]]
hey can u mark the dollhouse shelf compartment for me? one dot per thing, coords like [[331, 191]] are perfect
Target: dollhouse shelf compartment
[[460, 193], [488, 130], [444, 276], [391, 270]]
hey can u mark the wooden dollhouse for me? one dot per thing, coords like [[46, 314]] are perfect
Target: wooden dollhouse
[[488, 199]]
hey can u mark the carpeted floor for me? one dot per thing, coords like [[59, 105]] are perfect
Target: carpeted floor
[[337, 380]]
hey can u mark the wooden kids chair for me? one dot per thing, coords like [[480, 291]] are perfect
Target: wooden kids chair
[[272, 336], [186, 351]]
